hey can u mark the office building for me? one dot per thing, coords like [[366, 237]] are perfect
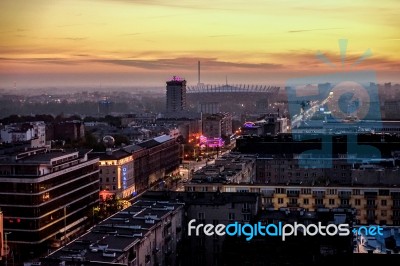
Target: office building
[[46, 196]]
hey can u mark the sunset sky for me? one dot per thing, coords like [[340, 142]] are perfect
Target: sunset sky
[[145, 42]]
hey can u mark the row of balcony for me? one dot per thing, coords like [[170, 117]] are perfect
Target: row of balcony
[[344, 195]]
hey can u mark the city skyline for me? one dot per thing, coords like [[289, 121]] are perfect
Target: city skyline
[[137, 43]]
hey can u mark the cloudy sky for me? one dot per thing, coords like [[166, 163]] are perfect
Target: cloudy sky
[[145, 42]]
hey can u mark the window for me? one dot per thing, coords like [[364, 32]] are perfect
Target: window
[[280, 201], [356, 192], [383, 213], [292, 200], [370, 202], [246, 217], [357, 202], [107, 180], [231, 216], [319, 201], [332, 191], [280, 190], [383, 202], [344, 201], [305, 201], [331, 201]]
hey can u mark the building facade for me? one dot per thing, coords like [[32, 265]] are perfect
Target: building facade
[[372, 205], [176, 95], [46, 195], [217, 125], [34, 132], [116, 174]]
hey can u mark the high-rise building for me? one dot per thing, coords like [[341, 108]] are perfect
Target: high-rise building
[[176, 95], [46, 196]]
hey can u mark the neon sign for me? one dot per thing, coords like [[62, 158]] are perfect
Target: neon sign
[[124, 178]]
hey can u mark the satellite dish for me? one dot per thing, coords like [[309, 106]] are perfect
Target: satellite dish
[[109, 141]]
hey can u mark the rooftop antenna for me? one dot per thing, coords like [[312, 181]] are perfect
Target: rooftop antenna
[[198, 72], [226, 78]]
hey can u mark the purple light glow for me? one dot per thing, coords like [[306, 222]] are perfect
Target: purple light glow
[[176, 78], [249, 124], [212, 142]]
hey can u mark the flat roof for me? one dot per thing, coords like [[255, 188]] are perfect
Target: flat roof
[[117, 233], [46, 157]]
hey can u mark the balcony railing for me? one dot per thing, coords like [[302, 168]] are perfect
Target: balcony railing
[[370, 196], [293, 205], [293, 193], [344, 195], [319, 195], [268, 194]]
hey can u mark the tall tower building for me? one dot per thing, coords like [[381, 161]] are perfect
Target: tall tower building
[[176, 95]]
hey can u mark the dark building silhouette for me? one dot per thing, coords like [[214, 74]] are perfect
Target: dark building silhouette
[[176, 95]]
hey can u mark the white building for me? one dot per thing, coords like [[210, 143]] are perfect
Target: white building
[[22, 132]]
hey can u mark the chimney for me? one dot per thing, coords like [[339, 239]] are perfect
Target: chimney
[[198, 71]]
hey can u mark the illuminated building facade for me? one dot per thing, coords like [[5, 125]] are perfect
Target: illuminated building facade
[[116, 174], [132, 169], [46, 196]]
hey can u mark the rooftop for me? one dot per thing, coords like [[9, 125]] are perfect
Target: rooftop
[[108, 240]]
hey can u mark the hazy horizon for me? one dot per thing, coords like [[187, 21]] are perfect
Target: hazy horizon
[[144, 43]]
